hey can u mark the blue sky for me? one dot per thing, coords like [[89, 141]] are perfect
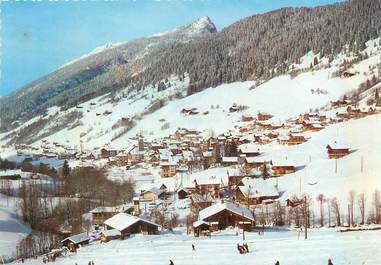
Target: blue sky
[[38, 37]]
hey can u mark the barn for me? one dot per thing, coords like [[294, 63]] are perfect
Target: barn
[[108, 235], [336, 151], [227, 214], [128, 224], [75, 241]]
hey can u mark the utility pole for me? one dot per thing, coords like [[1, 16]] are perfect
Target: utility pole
[[305, 217], [336, 165], [243, 228]]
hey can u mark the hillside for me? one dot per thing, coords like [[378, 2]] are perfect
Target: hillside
[[256, 47]]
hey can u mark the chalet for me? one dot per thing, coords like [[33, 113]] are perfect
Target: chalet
[[201, 228], [353, 112], [207, 158], [261, 139], [234, 108], [183, 193], [100, 214], [248, 150], [247, 118], [128, 224], [262, 116], [121, 159], [253, 191], [228, 214], [107, 153], [314, 126], [253, 162], [347, 74], [108, 235], [335, 151], [153, 194], [279, 168], [229, 161], [76, 241], [168, 169], [292, 139]]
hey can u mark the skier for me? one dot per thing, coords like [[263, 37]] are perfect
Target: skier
[[171, 262], [92, 262], [193, 248], [89, 262], [277, 262], [330, 262], [246, 247]]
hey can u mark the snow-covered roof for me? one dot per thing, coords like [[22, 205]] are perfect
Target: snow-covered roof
[[221, 206], [111, 232], [121, 221], [111, 209], [231, 159], [257, 188], [248, 148], [337, 145], [76, 239], [199, 223]]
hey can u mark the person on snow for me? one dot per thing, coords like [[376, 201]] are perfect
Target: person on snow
[[277, 262], [193, 248], [330, 262], [171, 262], [92, 262]]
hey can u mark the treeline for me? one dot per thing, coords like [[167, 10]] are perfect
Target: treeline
[[27, 166], [323, 211], [257, 47]]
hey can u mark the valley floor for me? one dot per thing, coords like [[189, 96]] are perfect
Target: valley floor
[[287, 246]]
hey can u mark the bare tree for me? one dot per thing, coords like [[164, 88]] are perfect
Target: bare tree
[[320, 198], [352, 195], [336, 209], [377, 205], [361, 203]]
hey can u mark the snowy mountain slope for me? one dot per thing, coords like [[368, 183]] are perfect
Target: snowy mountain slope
[[284, 97]]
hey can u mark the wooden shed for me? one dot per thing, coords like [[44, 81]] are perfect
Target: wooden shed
[[335, 151], [75, 241]]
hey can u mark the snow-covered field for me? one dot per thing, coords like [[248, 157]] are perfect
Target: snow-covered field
[[286, 246], [11, 229]]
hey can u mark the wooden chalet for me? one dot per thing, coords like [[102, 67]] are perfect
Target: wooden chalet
[[347, 74], [108, 235], [253, 191], [183, 193], [253, 162], [292, 139], [248, 150], [335, 151], [107, 153], [201, 228], [262, 116], [280, 168], [153, 194], [354, 112], [128, 224], [229, 161], [76, 241], [226, 214], [168, 169]]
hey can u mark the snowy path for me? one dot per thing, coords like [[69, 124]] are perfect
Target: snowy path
[[342, 248]]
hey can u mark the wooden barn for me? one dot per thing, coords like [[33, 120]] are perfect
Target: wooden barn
[[183, 193], [279, 167], [228, 214], [253, 191], [76, 241], [168, 169], [128, 224], [201, 228], [335, 151], [108, 235]]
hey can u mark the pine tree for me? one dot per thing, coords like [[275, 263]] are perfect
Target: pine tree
[[65, 169]]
